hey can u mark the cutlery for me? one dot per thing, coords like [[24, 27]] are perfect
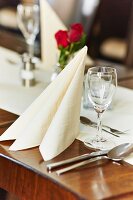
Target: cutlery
[[85, 120], [92, 160], [121, 149], [4, 124], [118, 153], [77, 158], [107, 131]]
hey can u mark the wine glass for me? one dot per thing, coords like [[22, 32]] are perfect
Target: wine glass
[[101, 82], [28, 22]]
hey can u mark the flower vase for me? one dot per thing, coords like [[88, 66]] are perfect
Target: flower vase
[[57, 70], [59, 67]]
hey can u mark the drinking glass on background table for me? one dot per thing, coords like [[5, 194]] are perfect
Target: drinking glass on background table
[[28, 22], [101, 85]]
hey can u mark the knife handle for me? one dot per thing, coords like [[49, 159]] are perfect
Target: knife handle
[[74, 166], [77, 158]]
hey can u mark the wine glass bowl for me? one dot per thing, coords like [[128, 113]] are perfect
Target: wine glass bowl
[[101, 84], [28, 23]]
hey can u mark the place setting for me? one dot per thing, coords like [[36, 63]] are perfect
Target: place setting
[[54, 120], [53, 125], [66, 96], [103, 83], [48, 123]]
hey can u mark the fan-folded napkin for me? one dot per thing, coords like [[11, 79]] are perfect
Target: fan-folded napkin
[[52, 120]]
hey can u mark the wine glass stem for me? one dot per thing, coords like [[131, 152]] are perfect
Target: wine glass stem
[[99, 122]]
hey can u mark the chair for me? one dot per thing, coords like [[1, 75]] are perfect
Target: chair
[[108, 38], [129, 55], [8, 14]]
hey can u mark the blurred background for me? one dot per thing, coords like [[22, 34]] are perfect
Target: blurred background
[[108, 25]]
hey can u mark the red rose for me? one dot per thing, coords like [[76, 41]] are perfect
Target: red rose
[[77, 27], [75, 32], [62, 38]]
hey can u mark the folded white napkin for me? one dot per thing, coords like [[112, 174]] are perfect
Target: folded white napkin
[[52, 120], [50, 24]]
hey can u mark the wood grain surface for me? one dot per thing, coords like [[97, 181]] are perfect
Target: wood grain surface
[[24, 174]]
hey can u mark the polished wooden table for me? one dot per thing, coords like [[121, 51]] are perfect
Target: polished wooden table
[[24, 173]]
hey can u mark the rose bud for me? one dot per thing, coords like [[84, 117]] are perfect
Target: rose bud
[[75, 32], [62, 38]]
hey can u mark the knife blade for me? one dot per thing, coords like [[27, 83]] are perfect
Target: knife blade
[[87, 121], [77, 158], [108, 131], [114, 131]]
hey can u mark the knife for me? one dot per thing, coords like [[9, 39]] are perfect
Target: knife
[[108, 131], [76, 159], [105, 128]]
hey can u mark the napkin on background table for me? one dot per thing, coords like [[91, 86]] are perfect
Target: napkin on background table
[[50, 24], [52, 120]]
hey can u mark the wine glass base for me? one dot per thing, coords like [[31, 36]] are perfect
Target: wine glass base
[[99, 145]]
